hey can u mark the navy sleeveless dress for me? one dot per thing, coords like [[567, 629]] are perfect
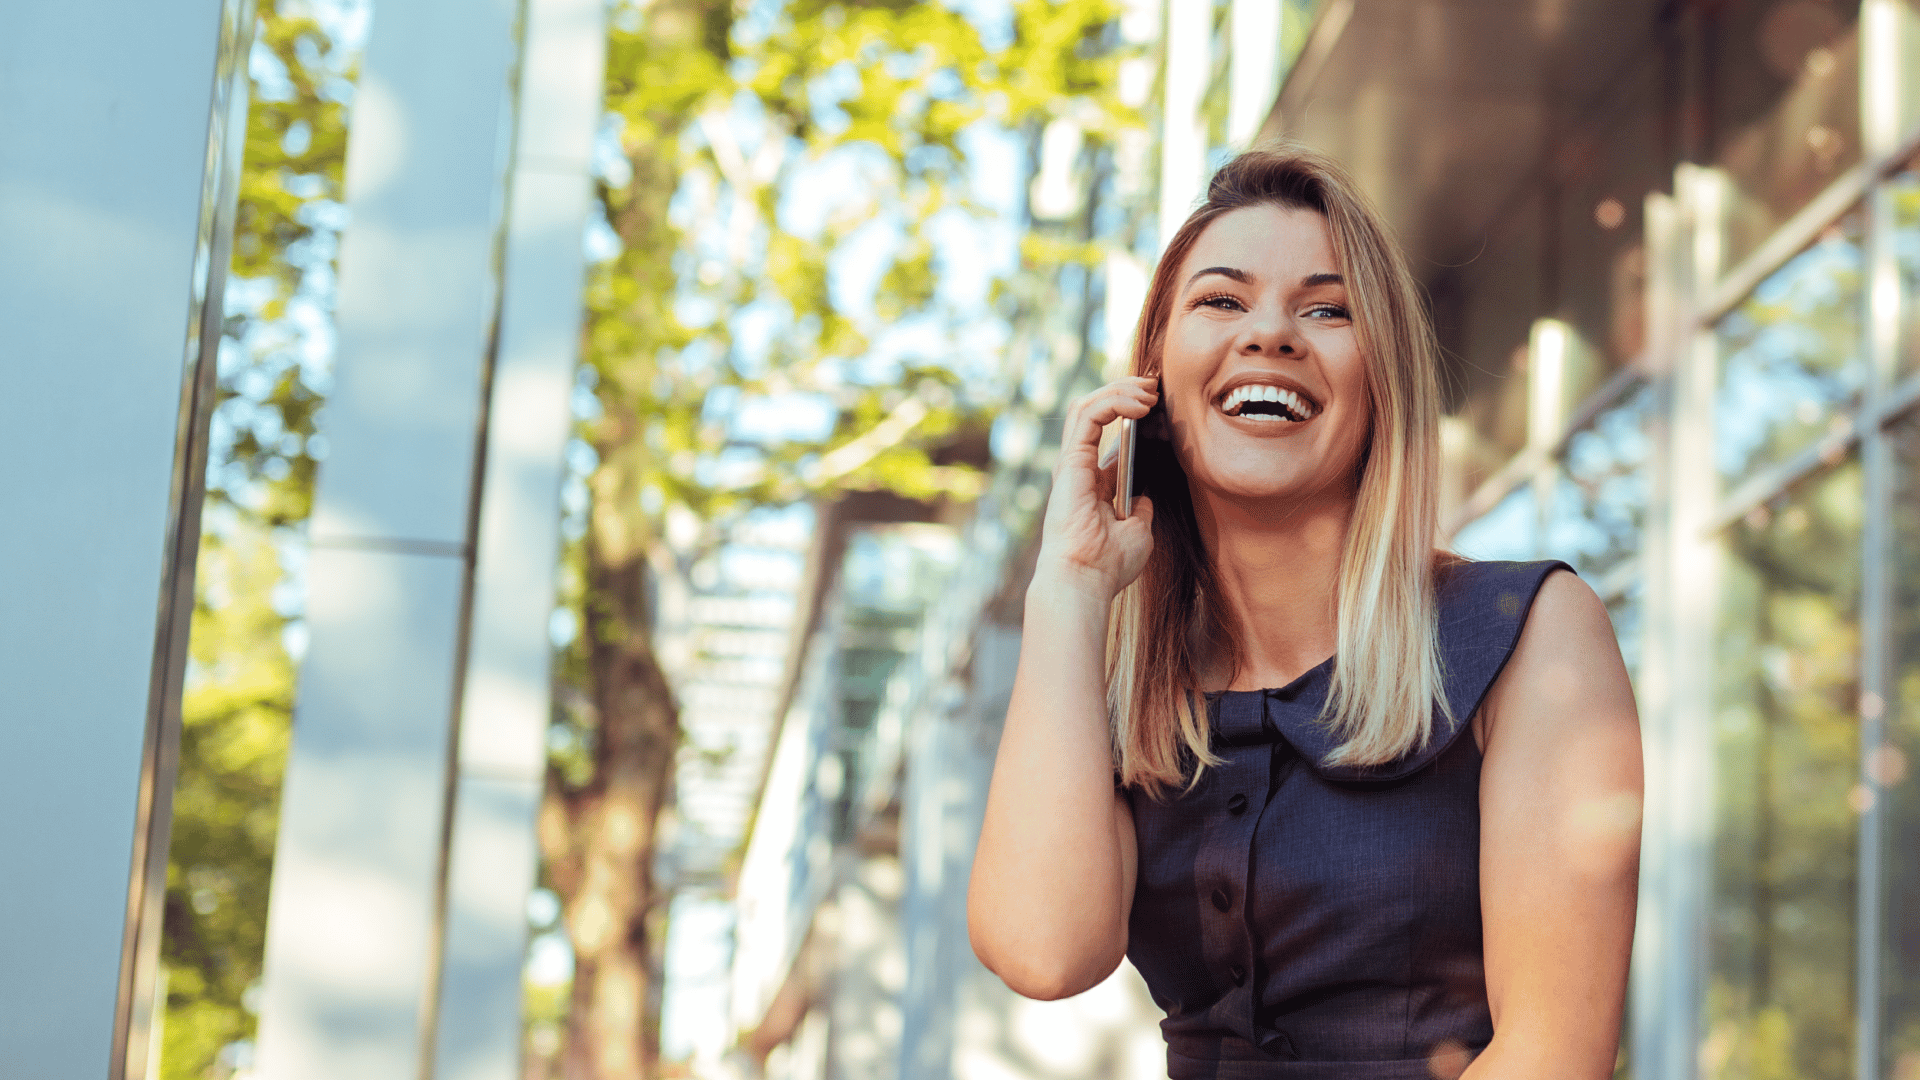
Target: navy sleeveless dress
[[1297, 920]]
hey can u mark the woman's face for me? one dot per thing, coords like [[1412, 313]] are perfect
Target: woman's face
[[1264, 383]]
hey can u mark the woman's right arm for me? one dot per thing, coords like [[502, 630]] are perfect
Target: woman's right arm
[[1053, 877]]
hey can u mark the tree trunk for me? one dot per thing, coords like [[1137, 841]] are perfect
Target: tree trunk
[[597, 833], [599, 838]]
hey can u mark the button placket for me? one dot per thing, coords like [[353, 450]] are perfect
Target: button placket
[[1277, 761], [1243, 775], [1240, 725]]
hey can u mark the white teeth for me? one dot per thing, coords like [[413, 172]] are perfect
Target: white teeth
[[1240, 395]]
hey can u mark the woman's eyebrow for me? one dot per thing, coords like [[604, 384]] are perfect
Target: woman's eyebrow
[[1244, 278], [1240, 276]]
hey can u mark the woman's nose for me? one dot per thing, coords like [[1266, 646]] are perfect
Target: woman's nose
[[1270, 335]]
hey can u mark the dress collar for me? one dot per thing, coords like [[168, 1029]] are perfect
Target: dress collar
[[1483, 607]]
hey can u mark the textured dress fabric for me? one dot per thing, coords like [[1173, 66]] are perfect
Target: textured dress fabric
[[1298, 920]]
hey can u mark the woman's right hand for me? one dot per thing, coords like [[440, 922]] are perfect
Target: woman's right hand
[[1084, 545]]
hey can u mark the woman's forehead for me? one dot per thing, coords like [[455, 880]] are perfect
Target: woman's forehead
[[1267, 242]]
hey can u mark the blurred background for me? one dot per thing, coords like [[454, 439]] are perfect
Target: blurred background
[[591, 512]]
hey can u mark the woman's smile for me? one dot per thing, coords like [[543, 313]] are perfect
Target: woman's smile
[[1268, 401]]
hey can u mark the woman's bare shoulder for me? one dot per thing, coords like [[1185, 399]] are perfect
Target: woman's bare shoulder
[[1566, 670]]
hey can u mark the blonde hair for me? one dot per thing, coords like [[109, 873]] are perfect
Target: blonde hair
[[1386, 681]]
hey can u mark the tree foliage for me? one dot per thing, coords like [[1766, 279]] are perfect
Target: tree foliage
[[234, 744], [726, 117]]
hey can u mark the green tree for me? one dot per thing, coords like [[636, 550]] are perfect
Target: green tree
[[899, 82], [233, 744]]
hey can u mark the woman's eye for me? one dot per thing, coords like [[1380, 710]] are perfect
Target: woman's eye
[[1328, 311], [1222, 302]]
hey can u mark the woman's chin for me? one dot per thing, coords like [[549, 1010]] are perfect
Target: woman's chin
[[1276, 493]]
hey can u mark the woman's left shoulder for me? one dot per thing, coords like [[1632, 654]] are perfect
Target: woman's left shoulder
[[1566, 613], [1566, 667]]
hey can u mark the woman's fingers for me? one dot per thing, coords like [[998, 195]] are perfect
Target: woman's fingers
[[1131, 397], [1084, 462], [1081, 530]]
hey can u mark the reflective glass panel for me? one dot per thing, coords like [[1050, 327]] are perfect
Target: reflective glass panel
[[1510, 531], [1780, 943], [1791, 367], [1903, 192], [1484, 314], [1785, 108], [1609, 160], [1600, 502], [1895, 767], [1909, 61], [1624, 610]]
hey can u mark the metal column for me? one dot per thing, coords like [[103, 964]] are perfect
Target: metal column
[[406, 837], [501, 767], [118, 169], [1881, 35], [1183, 133], [1662, 970], [1680, 695]]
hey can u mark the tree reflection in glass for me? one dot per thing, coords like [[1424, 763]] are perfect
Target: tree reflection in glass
[[1509, 531], [1894, 768], [1625, 612], [1785, 79], [1790, 357], [1781, 915], [1903, 194], [1600, 498]]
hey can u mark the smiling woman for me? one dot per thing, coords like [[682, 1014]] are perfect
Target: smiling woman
[[1284, 281], [1238, 746]]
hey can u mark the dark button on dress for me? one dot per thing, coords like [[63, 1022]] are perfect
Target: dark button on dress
[[1350, 895]]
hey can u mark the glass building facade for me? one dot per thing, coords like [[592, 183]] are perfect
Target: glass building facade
[[1684, 360]]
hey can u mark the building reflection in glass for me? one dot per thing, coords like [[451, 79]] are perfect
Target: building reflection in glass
[[1790, 361], [1600, 499], [1784, 88], [1781, 918], [1893, 767], [1511, 530], [890, 577], [1903, 198]]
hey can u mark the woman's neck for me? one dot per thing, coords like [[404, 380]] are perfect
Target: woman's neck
[[1278, 569]]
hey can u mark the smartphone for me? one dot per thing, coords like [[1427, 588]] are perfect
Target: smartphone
[[1123, 490]]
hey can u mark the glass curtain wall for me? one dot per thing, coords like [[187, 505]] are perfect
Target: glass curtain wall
[[1892, 767], [1810, 916], [1791, 364], [1783, 900], [1780, 943], [1784, 103]]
